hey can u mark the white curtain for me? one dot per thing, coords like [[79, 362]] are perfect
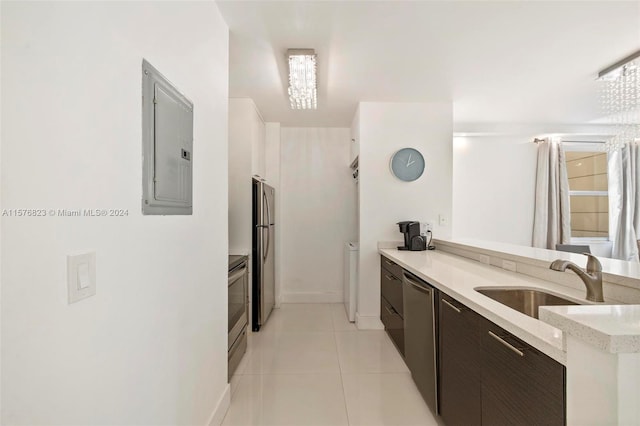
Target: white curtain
[[552, 216], [624, 201]]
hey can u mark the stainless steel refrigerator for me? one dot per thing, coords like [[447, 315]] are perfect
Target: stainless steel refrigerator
[[263, 253]]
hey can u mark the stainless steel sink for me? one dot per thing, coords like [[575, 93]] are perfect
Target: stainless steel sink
[[525, 300]]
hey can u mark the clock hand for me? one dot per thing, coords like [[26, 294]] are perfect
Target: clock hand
[[409, 161]]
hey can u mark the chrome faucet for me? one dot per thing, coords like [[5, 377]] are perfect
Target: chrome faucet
[[592, 278]]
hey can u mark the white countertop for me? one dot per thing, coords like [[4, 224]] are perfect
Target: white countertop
[[612, 328], [458, 277]]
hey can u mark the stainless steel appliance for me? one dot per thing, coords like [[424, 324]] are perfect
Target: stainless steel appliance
[[263, 253], [237, 311], [420, 336]]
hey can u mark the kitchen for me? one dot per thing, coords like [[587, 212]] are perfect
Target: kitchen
[[469, 85], [459, 179]]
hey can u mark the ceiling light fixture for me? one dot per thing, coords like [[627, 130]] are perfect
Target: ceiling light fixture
[[620, 84], [302, 79], [621, 67]]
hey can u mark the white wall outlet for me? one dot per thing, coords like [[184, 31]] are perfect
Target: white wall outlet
[[509, 265], [81, 276], [442, 220], [485, 259], [427, 226]]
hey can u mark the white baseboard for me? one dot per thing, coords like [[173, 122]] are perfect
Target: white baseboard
[[221, 407], [312, 297], [368, 323]]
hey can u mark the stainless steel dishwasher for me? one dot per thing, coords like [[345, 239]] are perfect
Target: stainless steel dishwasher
[[420, 336]]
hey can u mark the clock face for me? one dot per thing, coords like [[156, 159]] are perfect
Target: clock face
[[407, 164]]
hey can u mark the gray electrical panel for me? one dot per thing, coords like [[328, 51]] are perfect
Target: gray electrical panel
[[167, 146]]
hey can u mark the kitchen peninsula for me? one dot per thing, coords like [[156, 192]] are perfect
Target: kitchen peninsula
[[573, 336]]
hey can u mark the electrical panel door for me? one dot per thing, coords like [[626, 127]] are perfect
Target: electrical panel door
[[167, 146]]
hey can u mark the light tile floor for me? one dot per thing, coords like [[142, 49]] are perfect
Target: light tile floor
[[310, 366]]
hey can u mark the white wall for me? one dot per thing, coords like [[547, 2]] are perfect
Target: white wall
[[385, 200], [355, 137], [246, 158], [257, 143], [494, 188], [151, 346], [317, 212], [272, 174], [355, 149]]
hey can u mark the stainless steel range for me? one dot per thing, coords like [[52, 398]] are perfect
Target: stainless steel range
[[237, 309]]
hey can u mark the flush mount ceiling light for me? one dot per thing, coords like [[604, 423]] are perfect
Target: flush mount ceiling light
[[302, 79], [620, 84]]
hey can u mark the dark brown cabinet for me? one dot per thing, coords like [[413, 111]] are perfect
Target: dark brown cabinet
[[520, 385], [486, 376], [490, 377], [391, 289], [460, 363], [393, 324], [391, 304]]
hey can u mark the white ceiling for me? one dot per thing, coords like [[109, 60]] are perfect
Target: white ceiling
[[497, 61]]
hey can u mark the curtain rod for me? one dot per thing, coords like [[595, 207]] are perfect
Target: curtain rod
[[536, 140]]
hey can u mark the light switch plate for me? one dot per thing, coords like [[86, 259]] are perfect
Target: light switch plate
[[81, 276]]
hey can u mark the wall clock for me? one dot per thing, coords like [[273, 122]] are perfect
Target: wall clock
[[407, 164]]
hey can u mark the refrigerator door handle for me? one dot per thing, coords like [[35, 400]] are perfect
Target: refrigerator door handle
[[266, 251], [266, 200]]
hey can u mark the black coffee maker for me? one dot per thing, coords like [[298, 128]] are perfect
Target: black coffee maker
[[413, 241]]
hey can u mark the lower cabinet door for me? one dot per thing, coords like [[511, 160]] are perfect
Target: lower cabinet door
[[460, 359], [393, 324], [520, 385]]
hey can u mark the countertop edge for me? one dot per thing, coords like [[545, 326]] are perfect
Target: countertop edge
[[576, 324], [556, 350]]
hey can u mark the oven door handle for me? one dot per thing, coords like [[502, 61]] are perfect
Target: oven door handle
[[237, 274]]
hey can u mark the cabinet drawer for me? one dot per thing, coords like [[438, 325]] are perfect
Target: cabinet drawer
[[391, 267], [236, 353], [391, 289], [520, 385], [393, 324]]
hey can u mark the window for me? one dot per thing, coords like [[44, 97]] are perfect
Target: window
[[588, 192]]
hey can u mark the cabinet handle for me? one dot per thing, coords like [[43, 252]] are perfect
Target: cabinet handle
[[390, 277], [237, 273], [416, 285], [509, 346], [388, 262], [391, 311], [455, 308]]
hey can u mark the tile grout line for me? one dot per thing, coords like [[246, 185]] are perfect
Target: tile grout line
[[344, 393]]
